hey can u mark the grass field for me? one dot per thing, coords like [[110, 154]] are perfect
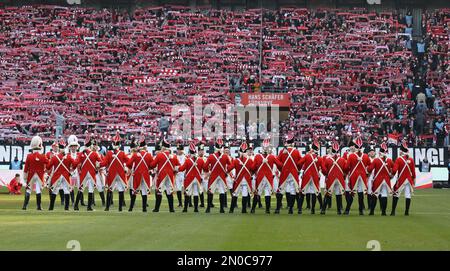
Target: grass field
[[427, 228]]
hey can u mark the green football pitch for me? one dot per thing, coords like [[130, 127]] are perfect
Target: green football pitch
[[427, 228]]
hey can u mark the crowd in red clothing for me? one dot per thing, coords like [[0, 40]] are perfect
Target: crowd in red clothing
[[347, 71]]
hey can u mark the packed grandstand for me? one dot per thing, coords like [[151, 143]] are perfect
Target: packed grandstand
[[347, 71]]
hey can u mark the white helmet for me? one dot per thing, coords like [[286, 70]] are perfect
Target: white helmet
[[36, 143], [72, 141]]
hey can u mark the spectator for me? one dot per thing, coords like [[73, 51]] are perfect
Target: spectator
[[15, 164], [424, 165], [15, 185]]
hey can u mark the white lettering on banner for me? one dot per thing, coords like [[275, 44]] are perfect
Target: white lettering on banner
[[436, 156]]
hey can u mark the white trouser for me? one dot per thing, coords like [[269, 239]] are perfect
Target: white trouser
[[289, 186], [89, 183], [242, 189], [276, 183], [166, 186], [359, 185], [407, 189], [143, 188], [38, 187], [369, 184], [336, 188], [219, 186], [179, 182], [384, 190], [118, 185], [309, 188], [61, 184], [265, 188], [195, 189], [99, 182], [205, 184], [229, 182]]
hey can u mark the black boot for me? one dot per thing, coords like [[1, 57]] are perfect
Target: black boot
[[195, 204], [52, 202], [157, 202], [26, 200], [108, 200], [209, 200], [202, 200], [38, 202], [290, 203], [66, 202], [102, 197], [170, 200], [222, 202], [302, 198], [233, 204], [82, 199], [279, 197], [329, 202], [338, 204], [77, 200], [225, 203], [374, 204], [190, 202], [361, 203], [319, 200], [254, 203], [349, 199], [249, 205], [121, 200], [394, 205], [313, 203], [180, 203], [186, 203], [369, 201], [259, 202], [93, 199], [144, 203], [90, 201], [408, 204], [231, 194], [244, 204], [72, 197], [268, 200], [61, 196], [112, 198], [297, 199], [132, 202], [383, 203], [308, 201], [324, 206]]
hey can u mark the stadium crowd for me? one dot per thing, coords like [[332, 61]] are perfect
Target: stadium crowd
[[98, 70]]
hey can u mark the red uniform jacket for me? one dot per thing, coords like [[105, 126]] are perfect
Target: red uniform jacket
[[115, 161], [35, 164], [217, 163], [263, 169], [61, 166], [87, 161], [243, 168], [166, 163], [50, 154], [311, 165], [193, 166], [404, 167], [382, 168], [356, 167], [333, 167], [290, 159], [140, 162]]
